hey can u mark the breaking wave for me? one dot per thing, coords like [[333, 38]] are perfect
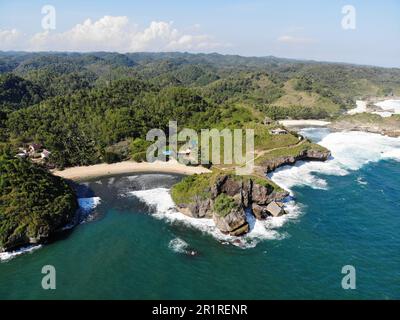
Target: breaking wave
[[350, 151], [390, 105], [162, 207], [178, 245], [5, 256], [85, 204], [88, 204]]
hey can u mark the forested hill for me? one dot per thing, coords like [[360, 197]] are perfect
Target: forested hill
[[34, 204], [86, 108]]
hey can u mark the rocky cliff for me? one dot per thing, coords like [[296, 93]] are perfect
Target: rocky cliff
[[34, 204], [226, 197], [269, 165]]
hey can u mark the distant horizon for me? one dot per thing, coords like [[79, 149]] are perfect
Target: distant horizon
[[203, 53], [357, 32]]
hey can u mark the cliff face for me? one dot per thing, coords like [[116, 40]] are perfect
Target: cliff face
[[228, 198], [309, 155]]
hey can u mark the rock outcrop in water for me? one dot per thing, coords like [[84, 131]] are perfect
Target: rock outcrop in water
[[306, 155], [226, 197], [34, 204]]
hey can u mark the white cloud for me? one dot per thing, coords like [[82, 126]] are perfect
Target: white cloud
[[295, 39], [9, 38], [111, 33]]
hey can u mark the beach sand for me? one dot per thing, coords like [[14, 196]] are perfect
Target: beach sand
[[103, 169], [304, 123]]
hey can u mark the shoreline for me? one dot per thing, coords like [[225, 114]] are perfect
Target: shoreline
[[384, 107], [304, 123], [124, 167]]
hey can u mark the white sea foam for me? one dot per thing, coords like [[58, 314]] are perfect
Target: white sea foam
[[361, 181], [178, 245], [361, 106], [163, 207], [5, 256], [383, 114], [88, 204], [350, 151], [390, 105], [392, 154]]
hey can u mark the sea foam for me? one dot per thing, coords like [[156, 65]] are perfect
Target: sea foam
[[5, 256], [88, 204], [361, 106], [85, 204], [350, 151], [178, 245], [162, 207], [390, 105]]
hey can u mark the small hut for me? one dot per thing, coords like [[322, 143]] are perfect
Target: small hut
[[278, 131], [268, 121]]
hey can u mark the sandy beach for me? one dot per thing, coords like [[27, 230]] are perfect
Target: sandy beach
[[304, 123], [104, 169]]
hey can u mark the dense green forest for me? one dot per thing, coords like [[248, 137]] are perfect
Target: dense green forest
[[33, 203], [88, 108], [97, 107]]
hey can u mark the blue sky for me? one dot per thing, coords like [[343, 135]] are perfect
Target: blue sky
[[306, 29]]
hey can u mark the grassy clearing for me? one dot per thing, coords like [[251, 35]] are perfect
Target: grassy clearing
[[290, 151], [224, 204], [200, 185]]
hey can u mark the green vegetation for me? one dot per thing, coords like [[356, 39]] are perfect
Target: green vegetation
[[294, 112], [370, 122], [82, 106], [191, 187], [199, 185], [139, 157], [17, 93], [97, 107], [224, 204], [33, 202], [262, 181], [365, 117], [294, 151]]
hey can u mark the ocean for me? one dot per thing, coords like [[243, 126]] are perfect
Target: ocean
[[134, 245]]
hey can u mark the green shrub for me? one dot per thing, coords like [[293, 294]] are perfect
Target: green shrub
[[294, 112], [111, 157], [190, 187], [139, 157], [224, 204]]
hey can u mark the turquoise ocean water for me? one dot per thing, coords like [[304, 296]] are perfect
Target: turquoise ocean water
[[133, 245]]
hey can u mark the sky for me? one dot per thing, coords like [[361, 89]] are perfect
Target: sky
[[353, 31]]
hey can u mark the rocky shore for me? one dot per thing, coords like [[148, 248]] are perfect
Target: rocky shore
[[306, 155], [372, 123], [227, 198]]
